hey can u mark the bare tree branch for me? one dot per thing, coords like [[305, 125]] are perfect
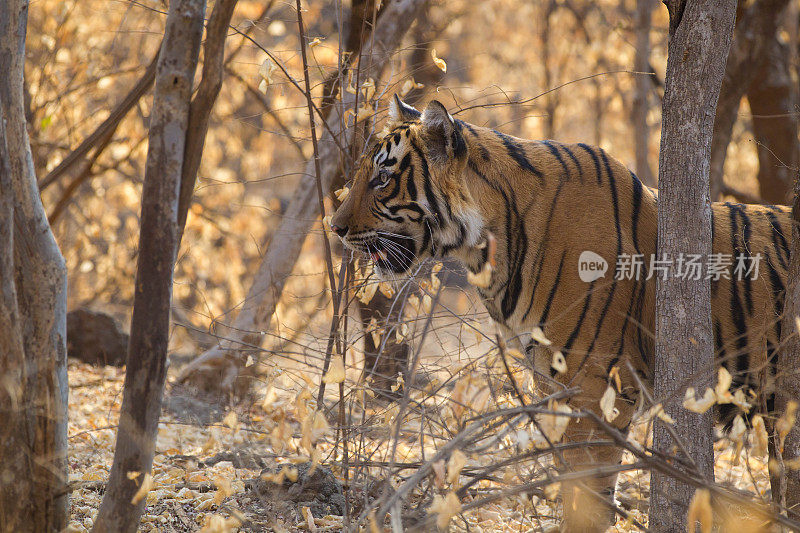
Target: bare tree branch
[[106, 129], [225, 361]]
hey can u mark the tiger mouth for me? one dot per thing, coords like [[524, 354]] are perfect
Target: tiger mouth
[[395, 252]]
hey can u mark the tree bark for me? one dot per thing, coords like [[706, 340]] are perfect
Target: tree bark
[[773, 102], [225, 361], [640, 108], [700, 36], [787, 382], [33, 311], [756, 27], [158, 244]]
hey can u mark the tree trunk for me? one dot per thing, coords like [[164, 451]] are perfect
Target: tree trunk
[[787, 382], [773, 101], [640, 108], [158, 245], [33, 312], [756, 27], [222, 364], [700, 34]]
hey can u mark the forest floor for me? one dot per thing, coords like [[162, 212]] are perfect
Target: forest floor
[[202, 472], [210, 461]]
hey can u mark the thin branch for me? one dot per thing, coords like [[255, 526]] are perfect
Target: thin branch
[[107, 128]]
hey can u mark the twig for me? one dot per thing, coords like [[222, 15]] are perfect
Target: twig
[[108, 126]]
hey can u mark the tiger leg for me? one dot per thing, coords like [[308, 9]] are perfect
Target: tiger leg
[[585, 507], [586, 500]]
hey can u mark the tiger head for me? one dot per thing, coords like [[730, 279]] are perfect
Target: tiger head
[[408, 200]]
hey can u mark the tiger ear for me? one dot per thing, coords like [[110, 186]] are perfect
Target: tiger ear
[[399, 111], [443, 139]]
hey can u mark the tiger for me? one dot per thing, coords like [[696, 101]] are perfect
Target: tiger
[[437, 187]]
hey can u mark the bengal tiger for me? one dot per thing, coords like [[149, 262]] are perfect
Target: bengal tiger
[[437, 187]]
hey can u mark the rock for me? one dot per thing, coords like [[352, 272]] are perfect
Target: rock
[[320, 491], [95, 338]]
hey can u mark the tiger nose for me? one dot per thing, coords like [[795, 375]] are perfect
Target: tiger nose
[[341, 231]]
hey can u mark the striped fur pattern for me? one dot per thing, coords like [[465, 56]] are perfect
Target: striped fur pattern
[[436, 187]]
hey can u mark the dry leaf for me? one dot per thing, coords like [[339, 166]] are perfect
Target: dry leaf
[[785, 423], [364, 112], [341, 194], [401, 332], [386, 289], [269, 397], [740, 401], [694, 405], [454, 466], [438, 473], [209, 445], [231, 420], [610, 412], [559, 363], [516, 354], [426, 304], [700, 511], [614, 374], [440, 64], [554, 425], [724, 381], [538, 335], [761, 439], [445, 508], [375, 331], [144, 488], [482, 279], [552, 491], [309, 519], [335, 372], [408, 85], [658, 411], [223, 489], [316, 41], [265, 71], [367, 291], [219, 524], [737, 435]]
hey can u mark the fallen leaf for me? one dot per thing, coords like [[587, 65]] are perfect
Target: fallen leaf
[[231, 420], [335, 372], [309, 519]]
